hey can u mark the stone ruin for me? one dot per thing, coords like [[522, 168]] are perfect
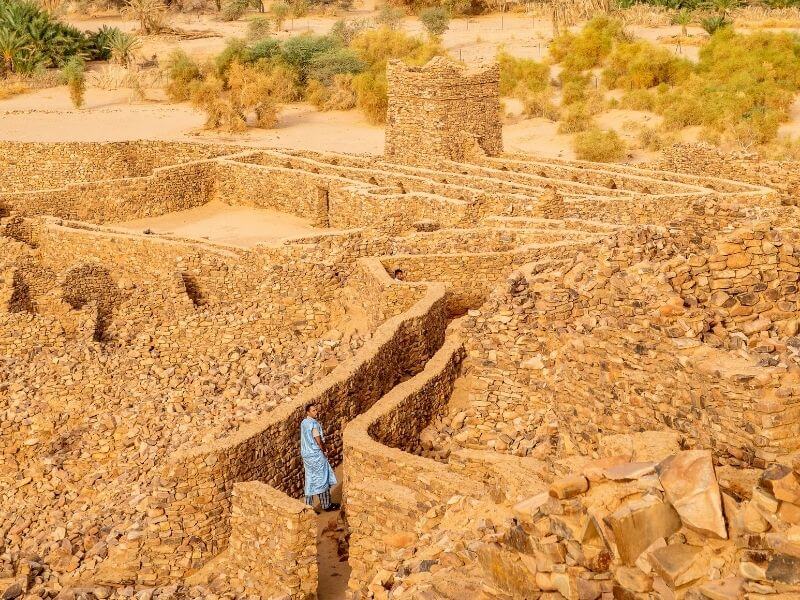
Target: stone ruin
[[442, 111], [587, 386]]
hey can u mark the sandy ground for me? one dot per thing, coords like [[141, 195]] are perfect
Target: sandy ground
[[332, 562], [117, 114], [233, 225]]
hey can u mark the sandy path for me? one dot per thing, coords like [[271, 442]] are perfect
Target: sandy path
[[234, 225]]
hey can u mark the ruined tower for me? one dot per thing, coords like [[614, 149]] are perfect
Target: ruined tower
[[442, 111]]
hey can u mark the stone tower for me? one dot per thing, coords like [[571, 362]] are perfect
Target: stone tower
[[442, 111]]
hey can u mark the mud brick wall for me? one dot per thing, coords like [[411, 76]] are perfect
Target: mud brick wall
[[273, 544], [441, 111], [195, 489], [387, 490]]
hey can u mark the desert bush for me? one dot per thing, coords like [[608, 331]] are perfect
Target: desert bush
[[683, 18], [279, 12], [228, 102], [574, 86], [339, 95], [233, 10], [587, 49], [182, 72], [538, 104], [638, 100], [436, 20], [744, 84], [235, 50], [74, 73], [258, 29], [346, 31], [642, 65], [783, 148], [599, 146], [389, 16], [7, 90], [298, 8], [575, 118], [521, 73], [151, 14]]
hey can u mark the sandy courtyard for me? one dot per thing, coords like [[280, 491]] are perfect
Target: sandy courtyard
[[233, 225]]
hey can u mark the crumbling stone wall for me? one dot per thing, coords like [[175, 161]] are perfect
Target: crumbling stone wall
[[273, 544], [440, 111]]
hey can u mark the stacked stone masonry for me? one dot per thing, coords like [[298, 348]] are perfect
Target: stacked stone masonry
[[172, 373]]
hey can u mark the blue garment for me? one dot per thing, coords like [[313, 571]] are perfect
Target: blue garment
[[319, 474]]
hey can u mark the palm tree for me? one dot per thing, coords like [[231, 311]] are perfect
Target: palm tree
[[683, 18], [122, 46], [11, 47]]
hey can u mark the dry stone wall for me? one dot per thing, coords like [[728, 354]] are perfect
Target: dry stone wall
[[441, 111]]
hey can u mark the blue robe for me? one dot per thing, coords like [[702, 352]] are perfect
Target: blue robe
[[319, 474]]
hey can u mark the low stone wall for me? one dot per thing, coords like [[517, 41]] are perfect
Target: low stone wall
[[709, 161], [273, 545], [387, 489], [43, 165], [167, 189]]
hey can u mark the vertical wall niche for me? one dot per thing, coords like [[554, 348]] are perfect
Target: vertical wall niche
[[192, 287], [92, 283]]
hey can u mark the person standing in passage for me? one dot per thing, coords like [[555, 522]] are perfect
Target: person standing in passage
[[319, 474]]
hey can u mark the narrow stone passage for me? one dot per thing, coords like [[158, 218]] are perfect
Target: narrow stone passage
[[334, 570]]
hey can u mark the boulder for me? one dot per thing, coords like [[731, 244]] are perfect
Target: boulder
[[678, 564], [637, 524], [691, 486]]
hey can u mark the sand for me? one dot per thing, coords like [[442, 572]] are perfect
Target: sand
[[223, 224]]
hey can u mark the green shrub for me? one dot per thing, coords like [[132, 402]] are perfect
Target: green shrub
[[743, 84], [123, 45], [74, 73], [575, 118], [642, 65], [258, 29], [264, 49], [31, 38], [236, 50], [436, 20], [533, 76], [299, 52], [588, 48], [337, 61], [182, 71], [714, 23], [599, 146]]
